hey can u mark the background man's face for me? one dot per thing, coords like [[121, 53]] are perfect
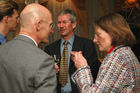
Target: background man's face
[[64, 25], [13, 20]]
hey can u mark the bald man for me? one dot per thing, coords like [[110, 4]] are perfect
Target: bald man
[[24, 68]]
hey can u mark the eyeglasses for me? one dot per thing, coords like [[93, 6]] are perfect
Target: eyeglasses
[[17, 18], [52, 25]]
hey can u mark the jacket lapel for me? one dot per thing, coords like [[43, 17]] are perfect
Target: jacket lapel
[[74, 48]]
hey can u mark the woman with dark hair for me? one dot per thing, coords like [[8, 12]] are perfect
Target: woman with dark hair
[[120, 70]]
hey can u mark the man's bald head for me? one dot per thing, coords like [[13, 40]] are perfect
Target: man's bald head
[[31, 13], [35, 21]]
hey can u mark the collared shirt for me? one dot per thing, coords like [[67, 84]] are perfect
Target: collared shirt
[[119, 73], [67, 88], [30, 38], [2, 39]]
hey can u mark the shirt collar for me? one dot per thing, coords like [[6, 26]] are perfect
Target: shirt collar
[[111, 49], [115, 48], [2, 39], [70, 41], [30, 38]]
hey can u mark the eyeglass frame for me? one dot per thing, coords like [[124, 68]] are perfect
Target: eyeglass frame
[[52, 25]]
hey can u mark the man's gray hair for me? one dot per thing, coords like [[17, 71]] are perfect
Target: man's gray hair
[[70, 12]]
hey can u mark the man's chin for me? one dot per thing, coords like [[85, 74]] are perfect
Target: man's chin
[[45, 41], [62, 35]]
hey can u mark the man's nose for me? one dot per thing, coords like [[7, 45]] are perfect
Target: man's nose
[[62, 24], [95, 40]]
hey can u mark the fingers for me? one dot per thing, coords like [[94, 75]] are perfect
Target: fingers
[[78, 59], [57, 68], [74, 53], [80, 52]]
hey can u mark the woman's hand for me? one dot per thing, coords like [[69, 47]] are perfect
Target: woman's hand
[[78, 59]]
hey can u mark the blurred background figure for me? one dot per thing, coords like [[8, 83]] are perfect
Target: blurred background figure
[[8, 18]]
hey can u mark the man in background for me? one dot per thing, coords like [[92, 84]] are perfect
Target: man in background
[[25, 68], [8, 18], [66, 25]]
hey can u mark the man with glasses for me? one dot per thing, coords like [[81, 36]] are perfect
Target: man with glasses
[[66, 25], [25, 68], [8, 18]]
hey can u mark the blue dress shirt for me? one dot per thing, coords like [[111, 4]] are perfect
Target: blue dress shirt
[[67, 88], [2, 39]]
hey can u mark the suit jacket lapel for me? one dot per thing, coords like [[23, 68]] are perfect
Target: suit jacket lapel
[[75, 43], [58, 47], [74, 48], [57, 51]]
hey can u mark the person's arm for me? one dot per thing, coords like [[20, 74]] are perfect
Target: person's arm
[[114, 76], [45, 78], [49, 51]]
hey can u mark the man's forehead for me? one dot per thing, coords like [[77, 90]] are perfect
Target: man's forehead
[[64, 17]]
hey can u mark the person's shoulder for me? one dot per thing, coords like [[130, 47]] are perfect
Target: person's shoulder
[[122, 49], [123, 52], [54, 44], [82, 39], [35, 51]]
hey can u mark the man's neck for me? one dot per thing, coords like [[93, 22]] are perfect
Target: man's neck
[[66, 38], [3, 30], [30, 35]]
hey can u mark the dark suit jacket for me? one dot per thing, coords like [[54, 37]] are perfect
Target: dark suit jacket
[[80, 44], [24, 68]]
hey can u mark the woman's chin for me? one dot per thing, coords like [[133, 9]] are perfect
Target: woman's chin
[[102, 50]]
